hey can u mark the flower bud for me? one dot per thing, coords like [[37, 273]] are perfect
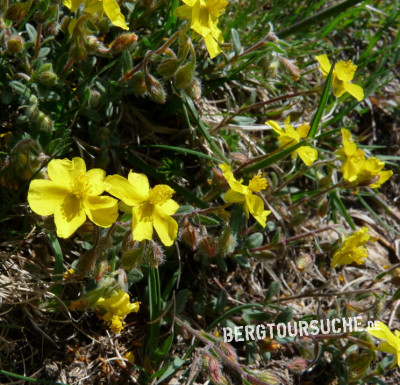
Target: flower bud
[[47, 78], [189, 235], [292, 69], [266, 376], [184, 75], [15, 44], [92, 44], [65, 23], [18, 11], [219, 179], [155, 254], [229, 350], [138, 84], [213, 367], [208, 246], [298, 365], [44, 123], [94, 98], [155, 89], [168, 67], [33, 112], [122, 43], [226, 242], [51, 28], [304, 262], [193, 89], [77, 52]]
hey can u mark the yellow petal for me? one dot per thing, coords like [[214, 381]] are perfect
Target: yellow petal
[[324, 63], [290, 131], [354, 90], [212, 46], [142, 222], [191, 3], [230, 178], [73, 5], [384, 333], [184, 11], [103, 211], [112, 10], [200, 19], [166, 227], [96, 179], [140, 183], [387, 348], [69, 216], [383, 177], [78, 167], [215, 31], [255, 206], [307, 154], [59, 171], [275, 126], [338, 87], [120, 187], [345, 70], [44, 196], [170, 207], [232, 196], [303, 130]]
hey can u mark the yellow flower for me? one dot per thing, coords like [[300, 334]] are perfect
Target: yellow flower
[[150, 207], [290, 136], [71, 194], [356, 168], [204, 18], [96, 9], [391, 342], [117, 307], [239, 193], [342, 75], [352, 249], [130, 356]]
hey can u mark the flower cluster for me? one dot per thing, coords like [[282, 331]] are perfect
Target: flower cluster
[[116, 308], [72, 195], [352, 250], [356, 168]]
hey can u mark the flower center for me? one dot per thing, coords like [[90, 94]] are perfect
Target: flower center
[[349, 67], [80, 186], [160, 194], [258, 183]]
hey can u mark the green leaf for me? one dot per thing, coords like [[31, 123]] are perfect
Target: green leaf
[[237, 45], [273, 290], [58, 264], [322, 104], [254, 240], [285, 316], [180, 300], [166, 346]]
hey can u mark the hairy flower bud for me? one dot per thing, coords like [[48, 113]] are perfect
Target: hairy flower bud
[[189, 235], [184, 75], [193, 89], [155, 89], [94, 98], [208, 246], [33, 112], [92, 44], [44, 123], [15, 44], [155, 254], [122, 43], [18, 11], [78, 52], [168, 67], [47, 78], [213, 367], [138, 84], [305, 262], [266, 376], [226, 242], [298, 365], [292, 69], [51, 28]]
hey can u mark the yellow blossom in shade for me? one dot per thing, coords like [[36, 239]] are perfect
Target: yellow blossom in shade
[[391, 343], [240, 193], [130, 357], [150, 207], [117, 307], [96, 8], [71, 194], [203, 16], [342, 75], [356, 168], [291, 136], [352, 249]]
